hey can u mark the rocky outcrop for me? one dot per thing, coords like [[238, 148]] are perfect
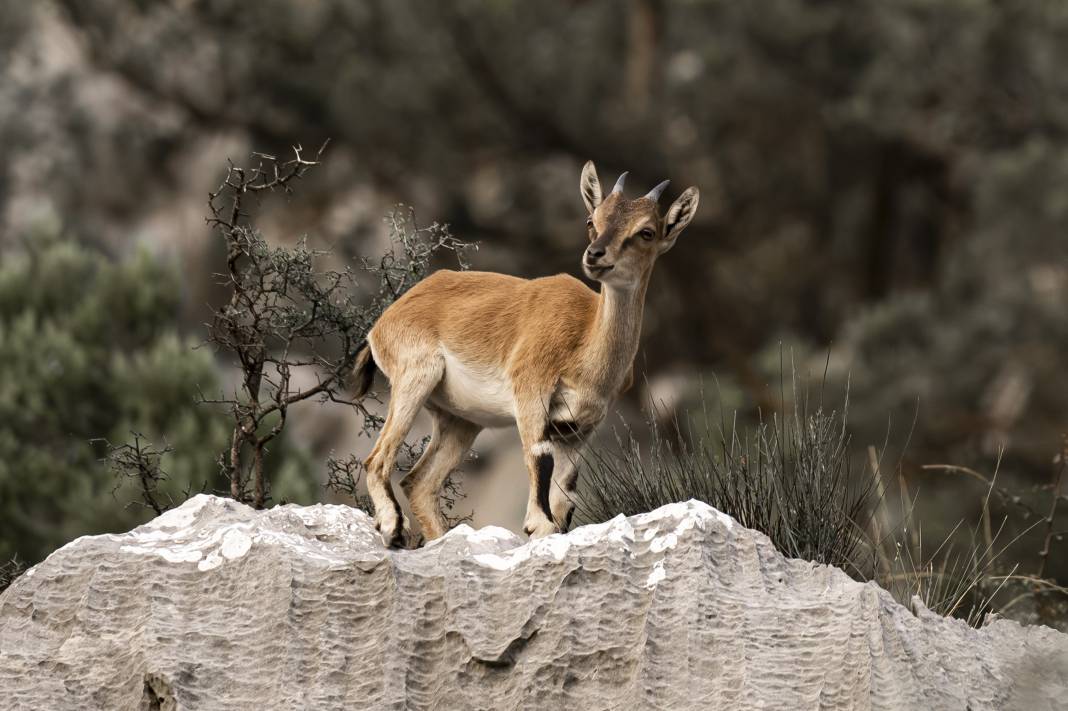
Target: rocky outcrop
[[216, 606]]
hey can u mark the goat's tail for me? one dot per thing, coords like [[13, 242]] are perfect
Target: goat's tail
[[363, 371]]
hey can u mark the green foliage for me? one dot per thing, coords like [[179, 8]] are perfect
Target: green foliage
[[794, 479], [790, 478], [10, 570], [89, 350], [982, 352]]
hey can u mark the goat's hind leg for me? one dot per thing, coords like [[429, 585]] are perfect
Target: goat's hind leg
[[449, 441], [411, 386]]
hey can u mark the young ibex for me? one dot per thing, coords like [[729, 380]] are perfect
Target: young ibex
[[479, 350]]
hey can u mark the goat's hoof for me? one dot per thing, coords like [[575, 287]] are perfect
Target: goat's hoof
[[541, 529], [395, 534]]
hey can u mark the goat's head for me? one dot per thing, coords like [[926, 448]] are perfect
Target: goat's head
[[626, 236]]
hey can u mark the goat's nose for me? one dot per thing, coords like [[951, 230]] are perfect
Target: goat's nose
[[594, 252]]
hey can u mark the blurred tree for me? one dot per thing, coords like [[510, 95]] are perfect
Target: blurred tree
[[89, 349], [839, 146]]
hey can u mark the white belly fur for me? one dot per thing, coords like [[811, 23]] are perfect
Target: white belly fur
[[481, 395]]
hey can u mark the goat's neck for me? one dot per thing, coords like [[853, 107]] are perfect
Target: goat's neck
[[613, 342]]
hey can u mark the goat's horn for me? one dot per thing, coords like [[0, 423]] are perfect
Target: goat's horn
[[655, 193], [619, 182]]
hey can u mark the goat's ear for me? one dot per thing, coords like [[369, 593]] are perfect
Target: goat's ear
[[678, 216], [590, 187]]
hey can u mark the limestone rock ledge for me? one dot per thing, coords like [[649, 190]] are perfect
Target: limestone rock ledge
[[216, 606]]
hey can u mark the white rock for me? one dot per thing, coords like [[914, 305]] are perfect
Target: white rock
[[216, 606]]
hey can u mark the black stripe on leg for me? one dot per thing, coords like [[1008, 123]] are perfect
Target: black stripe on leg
[[398, 530], [564, 431], [396, 539], [545, 480], [560, 429], [570, 483]]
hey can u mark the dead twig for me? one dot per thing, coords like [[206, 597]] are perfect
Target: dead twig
[[287, 316]]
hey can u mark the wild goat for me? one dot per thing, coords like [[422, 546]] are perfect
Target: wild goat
[[479, 349]]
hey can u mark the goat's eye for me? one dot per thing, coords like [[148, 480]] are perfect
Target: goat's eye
[[589, 222], [647, 234]]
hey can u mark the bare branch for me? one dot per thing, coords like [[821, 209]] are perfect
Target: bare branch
[[287, 312], [141, 462]]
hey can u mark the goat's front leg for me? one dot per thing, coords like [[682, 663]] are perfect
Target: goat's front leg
[[566, 457], [538, 457], [539, 519]]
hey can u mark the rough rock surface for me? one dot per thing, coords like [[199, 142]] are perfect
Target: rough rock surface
[[216, 606]]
